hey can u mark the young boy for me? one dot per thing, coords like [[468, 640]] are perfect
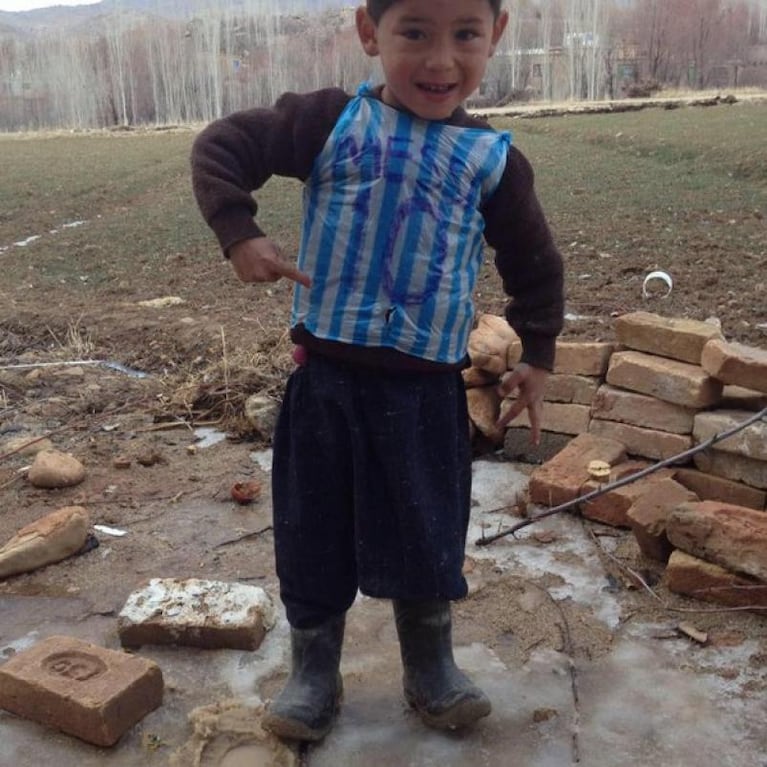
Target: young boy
[[372, 462]]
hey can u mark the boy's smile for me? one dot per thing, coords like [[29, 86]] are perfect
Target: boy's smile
[[433, 52]]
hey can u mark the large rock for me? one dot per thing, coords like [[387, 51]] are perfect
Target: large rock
[[489, 344], [732, 537], [484, 405], [54, 469], [49, 539]]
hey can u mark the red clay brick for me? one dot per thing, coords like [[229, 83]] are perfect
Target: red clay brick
[[647, 516], [560, 480], [79, 688], [697, 578], [612, 507]]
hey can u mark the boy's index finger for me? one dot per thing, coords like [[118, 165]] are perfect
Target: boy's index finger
[[285, 269]]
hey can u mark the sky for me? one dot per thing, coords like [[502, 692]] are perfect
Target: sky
[[28, 5]]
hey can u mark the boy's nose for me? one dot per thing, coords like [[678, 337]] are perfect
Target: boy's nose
[[440, 55]]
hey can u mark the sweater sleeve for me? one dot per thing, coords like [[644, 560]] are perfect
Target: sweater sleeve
[[527, 260], [236, 155]]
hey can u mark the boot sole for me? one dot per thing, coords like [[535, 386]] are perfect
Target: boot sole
[[463, 714], [287, 728], [292, 729]]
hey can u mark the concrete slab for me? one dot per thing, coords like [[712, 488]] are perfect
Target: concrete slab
[[648, 697]]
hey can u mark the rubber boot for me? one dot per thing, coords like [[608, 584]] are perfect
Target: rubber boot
[[307, 705], [434, 686]]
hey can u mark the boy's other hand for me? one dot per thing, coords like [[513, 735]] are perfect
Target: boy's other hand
[[258, 259], [529, 382]]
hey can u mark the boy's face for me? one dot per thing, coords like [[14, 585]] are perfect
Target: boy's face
[[433, 52]]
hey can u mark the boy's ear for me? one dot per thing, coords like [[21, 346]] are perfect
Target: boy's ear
[[498, 28], [366, 29]]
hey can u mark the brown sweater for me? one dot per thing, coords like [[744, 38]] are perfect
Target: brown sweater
[[236, 155]]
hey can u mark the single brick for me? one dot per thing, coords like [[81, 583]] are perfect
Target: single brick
[[84, 690], [677, 338], [647, 443], [612, 507], [578, 358], [196, 613], [731, 466], [585, 358], [577, 390], [739, 398], [647, 516], [699, 579], [669, 380], [559, 417], [729, 536], [560, 480], [612, 404], [736, 364], [709, 487], [518, 447], [750, 442]]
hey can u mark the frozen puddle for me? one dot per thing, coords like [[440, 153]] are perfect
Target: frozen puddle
[[570, 555]]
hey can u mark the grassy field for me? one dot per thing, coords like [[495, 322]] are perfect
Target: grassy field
[[683, 190]]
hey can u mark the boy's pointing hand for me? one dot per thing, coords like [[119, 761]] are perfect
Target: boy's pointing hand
[[258, 259], [529, 382]]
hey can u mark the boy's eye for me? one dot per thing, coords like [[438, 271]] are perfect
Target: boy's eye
[[466, 35], [413, 34]]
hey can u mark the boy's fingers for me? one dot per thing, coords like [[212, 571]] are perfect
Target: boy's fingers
[[534, 414], [292, 273], [514, 410]]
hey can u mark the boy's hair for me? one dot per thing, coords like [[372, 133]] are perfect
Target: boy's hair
[[377, 8]]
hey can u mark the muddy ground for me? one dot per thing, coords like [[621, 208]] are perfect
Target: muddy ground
[[192, 364]]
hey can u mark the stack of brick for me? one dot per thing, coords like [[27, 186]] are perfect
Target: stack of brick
[[664, 387], [579, 371], [654, 391]]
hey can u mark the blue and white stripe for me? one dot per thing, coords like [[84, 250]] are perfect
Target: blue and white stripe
[[392, 230]]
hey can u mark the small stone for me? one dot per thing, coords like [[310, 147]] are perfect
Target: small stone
[[53, 469], [151, 458], [261, 413]]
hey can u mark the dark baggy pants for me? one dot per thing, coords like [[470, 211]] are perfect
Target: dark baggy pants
[[371, 487]]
